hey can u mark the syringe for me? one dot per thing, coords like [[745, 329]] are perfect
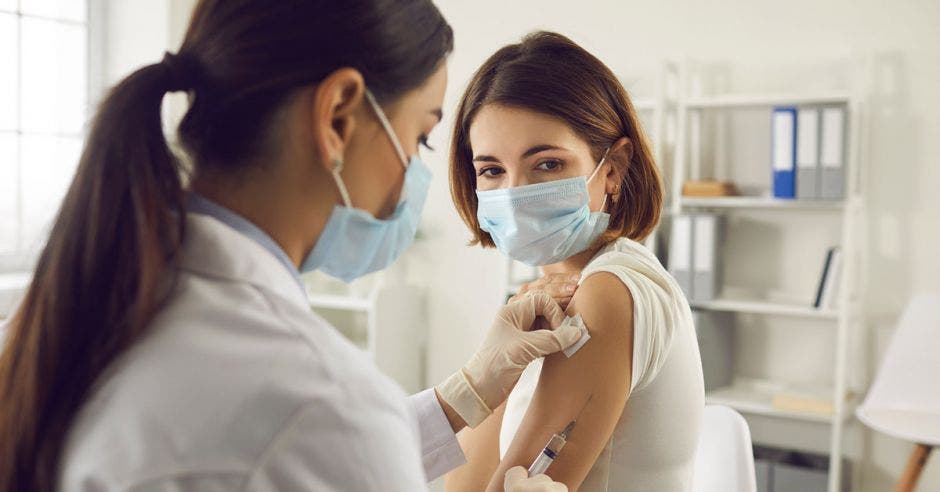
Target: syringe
[[551, 450]]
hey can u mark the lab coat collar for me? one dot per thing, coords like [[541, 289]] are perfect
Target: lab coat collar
[[202, 205], [215, 249]]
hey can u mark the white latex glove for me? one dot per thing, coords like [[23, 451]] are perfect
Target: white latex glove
[[517, 480], [486, 380]]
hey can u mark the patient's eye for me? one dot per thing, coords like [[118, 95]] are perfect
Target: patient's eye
[[490, 172], [549, 165]]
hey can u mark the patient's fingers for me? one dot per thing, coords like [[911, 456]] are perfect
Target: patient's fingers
[[560, 286]]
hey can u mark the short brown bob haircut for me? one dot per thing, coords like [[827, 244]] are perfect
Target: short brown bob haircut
[[550, 74]]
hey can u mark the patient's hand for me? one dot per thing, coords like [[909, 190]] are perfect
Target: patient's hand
[[561, 286]]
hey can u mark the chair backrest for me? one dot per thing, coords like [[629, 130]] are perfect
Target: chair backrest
[[725, 459], [904, 400]]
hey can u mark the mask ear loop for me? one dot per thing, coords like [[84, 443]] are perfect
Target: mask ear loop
[[388, 127], [596, 169], [338, 168]]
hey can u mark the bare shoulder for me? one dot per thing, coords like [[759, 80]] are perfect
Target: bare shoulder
[[604, 302]]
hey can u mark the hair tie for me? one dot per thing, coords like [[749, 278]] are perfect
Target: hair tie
[[181, 72]]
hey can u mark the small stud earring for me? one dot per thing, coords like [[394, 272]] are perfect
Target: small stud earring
[[337, 164]]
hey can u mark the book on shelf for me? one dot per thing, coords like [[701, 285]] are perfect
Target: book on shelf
[[815, 399], [806, 399], [827, 293], [709, 188]]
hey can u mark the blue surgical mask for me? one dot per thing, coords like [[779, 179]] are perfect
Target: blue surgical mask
[[543, 223], [354, 243]]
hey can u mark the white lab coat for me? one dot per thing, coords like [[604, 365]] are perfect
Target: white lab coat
[[238, 385]]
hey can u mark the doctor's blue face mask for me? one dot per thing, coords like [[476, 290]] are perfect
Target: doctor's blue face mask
[[354, 243], [542, 223]]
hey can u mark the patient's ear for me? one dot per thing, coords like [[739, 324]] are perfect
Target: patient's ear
[[619, 156]]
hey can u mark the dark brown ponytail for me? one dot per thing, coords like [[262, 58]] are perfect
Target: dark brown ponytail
[[97, 280], [109, 260]]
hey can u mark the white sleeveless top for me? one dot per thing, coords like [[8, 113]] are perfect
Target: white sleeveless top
[[653, 445]]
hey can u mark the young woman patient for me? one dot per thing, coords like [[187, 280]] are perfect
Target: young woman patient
[[549, 164]]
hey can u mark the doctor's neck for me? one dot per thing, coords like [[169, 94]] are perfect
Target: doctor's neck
[[277, 199]]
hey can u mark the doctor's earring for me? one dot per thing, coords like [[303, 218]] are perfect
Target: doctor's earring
[[337, 166]]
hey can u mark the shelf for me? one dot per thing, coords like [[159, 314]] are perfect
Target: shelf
[[756, 397], [765, 100], [339, 302], [765, 307], [758, 202]]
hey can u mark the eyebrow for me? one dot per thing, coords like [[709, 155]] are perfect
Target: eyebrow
[[532, 151]]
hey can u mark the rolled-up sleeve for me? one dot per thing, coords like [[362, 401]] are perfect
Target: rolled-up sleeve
[[439, 447]]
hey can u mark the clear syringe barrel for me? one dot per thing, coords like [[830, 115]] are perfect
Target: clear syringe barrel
[[547, 456]]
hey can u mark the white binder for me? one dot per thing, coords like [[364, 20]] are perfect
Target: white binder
[[704, 263], [832, 153], [680, 253], [807, 154]]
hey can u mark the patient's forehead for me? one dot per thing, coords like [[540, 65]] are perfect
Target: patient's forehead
[[506, 132]]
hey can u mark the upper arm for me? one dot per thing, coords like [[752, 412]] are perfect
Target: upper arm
[[592, 386]]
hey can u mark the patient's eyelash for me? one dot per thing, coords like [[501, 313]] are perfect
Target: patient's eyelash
[[485, 171], [424, 142], [554, 162]]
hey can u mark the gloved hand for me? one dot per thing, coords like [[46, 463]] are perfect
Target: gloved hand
[[517, 480], [486, 380]]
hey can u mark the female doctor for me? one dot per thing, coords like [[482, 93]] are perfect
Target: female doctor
[[166, 343]]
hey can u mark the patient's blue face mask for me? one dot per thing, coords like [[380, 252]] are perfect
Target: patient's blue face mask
[[355, 243], [542, 223]]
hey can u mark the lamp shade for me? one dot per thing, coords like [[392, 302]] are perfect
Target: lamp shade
[[904, 400]]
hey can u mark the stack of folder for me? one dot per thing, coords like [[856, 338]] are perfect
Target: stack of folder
[[808, 152], [693, 254]]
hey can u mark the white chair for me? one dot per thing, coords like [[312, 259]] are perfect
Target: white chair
[[904, 401], [725, 460]]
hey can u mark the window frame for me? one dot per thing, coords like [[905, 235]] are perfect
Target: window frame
[[23, 260]]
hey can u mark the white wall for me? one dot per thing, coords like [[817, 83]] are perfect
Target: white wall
[[136, 33], [767, 47]]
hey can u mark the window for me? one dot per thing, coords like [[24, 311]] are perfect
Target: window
[[44, 79]]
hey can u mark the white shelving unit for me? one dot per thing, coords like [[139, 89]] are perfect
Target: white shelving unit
[[799, 430], [386, 321], [757, 202], [766, 308], [752, 398]]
